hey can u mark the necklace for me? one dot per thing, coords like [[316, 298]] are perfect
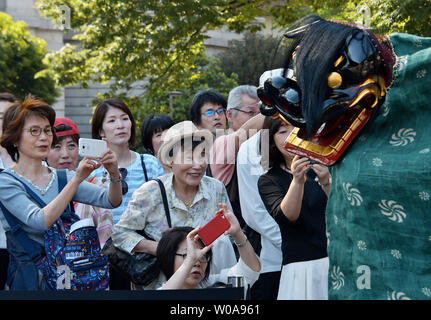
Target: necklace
[[187, 203], [42, 191]]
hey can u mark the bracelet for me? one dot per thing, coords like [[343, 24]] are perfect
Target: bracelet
[[115, 180], [242, 244], [325, 184]]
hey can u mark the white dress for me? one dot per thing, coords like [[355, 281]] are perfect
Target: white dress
[[305, 280]]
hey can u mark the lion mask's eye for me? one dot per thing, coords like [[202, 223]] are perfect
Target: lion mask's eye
[[334, 80]]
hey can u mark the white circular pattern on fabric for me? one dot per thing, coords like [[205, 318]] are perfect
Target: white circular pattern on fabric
[[338, 278], [353, 195], [392, 210], [403, 137]]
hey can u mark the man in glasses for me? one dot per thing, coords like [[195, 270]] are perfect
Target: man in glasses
[[244, 121], [207, 111]]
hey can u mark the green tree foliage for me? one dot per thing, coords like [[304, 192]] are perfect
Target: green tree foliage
[[252, 56], [127, 41], [382, 16], [158, 41], [206, 73], [21, 56]]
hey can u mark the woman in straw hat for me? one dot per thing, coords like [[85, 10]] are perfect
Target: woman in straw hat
[[193, 198]]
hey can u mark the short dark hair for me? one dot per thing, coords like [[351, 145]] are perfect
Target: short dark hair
[[9, 97], [167, 247], [100, 114], [14, 119], [151, 125], [202, 97]]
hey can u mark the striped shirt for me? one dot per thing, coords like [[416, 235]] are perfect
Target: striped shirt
[[135, 178]]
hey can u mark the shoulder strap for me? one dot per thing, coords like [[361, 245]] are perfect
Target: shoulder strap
[[62, 181], [208, 171], [165, 201], [144, 168], [25, 241], [29, 191]]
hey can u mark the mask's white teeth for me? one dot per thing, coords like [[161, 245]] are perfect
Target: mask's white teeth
[[321, 128]]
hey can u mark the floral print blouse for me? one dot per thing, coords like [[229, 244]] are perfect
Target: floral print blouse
[[146, 212]]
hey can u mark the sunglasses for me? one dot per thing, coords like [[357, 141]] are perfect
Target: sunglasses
[[124, 185], [211, 112]]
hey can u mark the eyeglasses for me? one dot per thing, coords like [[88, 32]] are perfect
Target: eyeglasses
[[124, 185], [250, 113], [37, 131], [211, 112], [204, 259]]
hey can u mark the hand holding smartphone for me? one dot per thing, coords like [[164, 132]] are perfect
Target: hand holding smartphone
[[214, 228]]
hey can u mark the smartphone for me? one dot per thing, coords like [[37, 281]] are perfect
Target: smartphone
[[214, 228], [91, 148]]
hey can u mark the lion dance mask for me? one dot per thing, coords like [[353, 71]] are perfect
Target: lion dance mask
[[361, 104], [340, 77]]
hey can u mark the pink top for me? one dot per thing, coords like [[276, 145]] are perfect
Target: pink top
[[102, 217], [223, 157]]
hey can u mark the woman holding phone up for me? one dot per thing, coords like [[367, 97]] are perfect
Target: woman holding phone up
[[295, 192], [113, 121], [186, 264], [28, 136]]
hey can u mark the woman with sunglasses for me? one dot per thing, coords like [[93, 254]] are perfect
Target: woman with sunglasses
[[28, 136], [64, 154], [113, 121], [186, 264]]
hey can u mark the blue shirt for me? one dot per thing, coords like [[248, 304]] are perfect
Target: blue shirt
[[134, 179], [15, 199]]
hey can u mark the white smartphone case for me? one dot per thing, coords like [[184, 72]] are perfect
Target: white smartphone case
[[91, 148]]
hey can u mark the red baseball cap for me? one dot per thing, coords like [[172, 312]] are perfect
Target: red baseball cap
[[68, 122]]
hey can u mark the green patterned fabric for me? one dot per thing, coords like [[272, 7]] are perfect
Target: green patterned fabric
[[379, 210]]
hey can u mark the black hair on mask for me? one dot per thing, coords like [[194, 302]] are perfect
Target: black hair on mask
[[320, 43]]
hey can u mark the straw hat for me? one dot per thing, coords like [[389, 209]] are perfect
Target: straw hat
[[182, 130]]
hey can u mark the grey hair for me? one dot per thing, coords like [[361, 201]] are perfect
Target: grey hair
[[234, 100]]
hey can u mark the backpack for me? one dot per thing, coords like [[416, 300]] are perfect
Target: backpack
[[73, 258]]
